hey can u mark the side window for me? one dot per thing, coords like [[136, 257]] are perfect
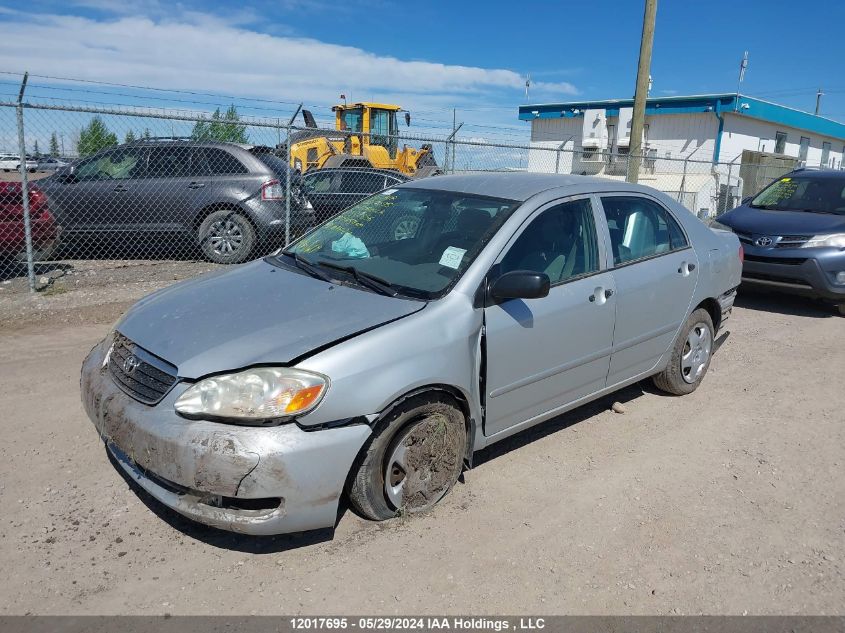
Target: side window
[[221, 162], [560, 242], [640, 228], [169, 162], [319, 182], [361, 182], [116, 164]]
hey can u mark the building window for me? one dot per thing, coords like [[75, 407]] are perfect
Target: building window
[[825, 153], [803, 148], [780, 142]]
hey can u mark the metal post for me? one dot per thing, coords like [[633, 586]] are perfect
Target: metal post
[[27, 227], [728, 196], [643, 71], [451, 140], [454, 131], [287, 176], [683, 182]]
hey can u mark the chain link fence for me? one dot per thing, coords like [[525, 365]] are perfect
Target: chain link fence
[[93, 183]]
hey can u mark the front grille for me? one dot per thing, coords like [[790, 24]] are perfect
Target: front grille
[[783, 261], [792, 241], [146, 378]]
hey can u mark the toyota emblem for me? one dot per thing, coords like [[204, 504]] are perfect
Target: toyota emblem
[[130, 364], [764, 241]]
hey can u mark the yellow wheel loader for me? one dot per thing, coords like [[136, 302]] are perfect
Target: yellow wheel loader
[[367, 136]]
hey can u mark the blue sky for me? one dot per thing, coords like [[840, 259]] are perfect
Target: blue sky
[[427, 56]]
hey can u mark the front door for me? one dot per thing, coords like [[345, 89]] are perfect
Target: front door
[[655, 272], [543, 354], [100, 195]]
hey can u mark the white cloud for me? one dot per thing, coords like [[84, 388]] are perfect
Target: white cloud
[[203, 52]]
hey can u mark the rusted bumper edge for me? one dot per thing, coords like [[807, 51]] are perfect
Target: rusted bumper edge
[[252, 480]]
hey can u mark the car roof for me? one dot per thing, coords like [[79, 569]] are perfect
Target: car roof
[[519, 185]]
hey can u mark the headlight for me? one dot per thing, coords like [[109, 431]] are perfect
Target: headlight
[[263, 393], [714, 224], [836, 240]]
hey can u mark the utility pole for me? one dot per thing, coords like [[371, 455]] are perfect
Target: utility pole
[[819, 96], [637, 121]]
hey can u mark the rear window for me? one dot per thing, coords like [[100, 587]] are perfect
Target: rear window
[[221, 162], [803, 193], [275, 164]]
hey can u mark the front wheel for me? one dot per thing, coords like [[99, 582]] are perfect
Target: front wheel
[[226, 237], [690, 356], [415, 457]]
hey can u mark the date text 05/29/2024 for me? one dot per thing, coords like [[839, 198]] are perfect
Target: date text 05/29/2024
[[417, 623]]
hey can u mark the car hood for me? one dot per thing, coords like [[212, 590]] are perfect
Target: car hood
[[253, 314], [763, 222]]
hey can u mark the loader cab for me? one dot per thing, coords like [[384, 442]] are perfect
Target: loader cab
[[376, 123]]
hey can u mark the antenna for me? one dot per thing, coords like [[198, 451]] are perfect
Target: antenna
[[527, 86], [743, 64], [819, 96]]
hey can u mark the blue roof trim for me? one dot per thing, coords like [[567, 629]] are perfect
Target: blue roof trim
[[727, 103]]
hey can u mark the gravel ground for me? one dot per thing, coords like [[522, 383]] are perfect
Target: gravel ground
[[727, 501]]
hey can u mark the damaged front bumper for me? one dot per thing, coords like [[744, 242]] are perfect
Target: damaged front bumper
[[252, 480]]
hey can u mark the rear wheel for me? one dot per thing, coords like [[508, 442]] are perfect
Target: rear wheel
[[226, 237], [415, 457], [690, 356]]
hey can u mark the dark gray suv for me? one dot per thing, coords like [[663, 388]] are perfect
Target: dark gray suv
[[226, 199]]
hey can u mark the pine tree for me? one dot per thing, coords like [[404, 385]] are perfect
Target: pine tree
[[147, 134], [94, 137], [54, 145], [130, 137], [222, 127]]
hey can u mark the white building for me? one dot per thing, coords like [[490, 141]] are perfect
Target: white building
[[705, 150]]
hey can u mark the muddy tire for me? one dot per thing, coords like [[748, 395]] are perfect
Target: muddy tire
[[226, 237], [690, 356], [414, 458]]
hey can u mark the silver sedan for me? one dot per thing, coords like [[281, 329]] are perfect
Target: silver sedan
[[358, 362]]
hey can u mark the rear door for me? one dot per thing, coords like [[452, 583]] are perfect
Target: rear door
[[543, 354], [655, 272], [175, 186]]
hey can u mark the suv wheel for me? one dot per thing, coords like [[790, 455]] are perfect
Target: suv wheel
[[226, 237]]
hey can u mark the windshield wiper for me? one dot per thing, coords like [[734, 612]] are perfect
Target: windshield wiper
[[365, 279], [307, 266]]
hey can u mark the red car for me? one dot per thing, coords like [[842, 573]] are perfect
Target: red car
[[45, 231]]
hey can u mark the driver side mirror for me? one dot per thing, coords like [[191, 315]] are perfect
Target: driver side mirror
[[521, 284], [746, 199]]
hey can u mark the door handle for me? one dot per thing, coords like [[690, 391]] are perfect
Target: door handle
[[196, 185], [686, 268], [600, 295], [608, 293]]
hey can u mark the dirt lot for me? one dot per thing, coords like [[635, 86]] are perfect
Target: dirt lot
[[730, 500]]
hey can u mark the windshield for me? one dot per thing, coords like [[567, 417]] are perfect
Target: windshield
[[350, 120], [419, 241], [803, 193]]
